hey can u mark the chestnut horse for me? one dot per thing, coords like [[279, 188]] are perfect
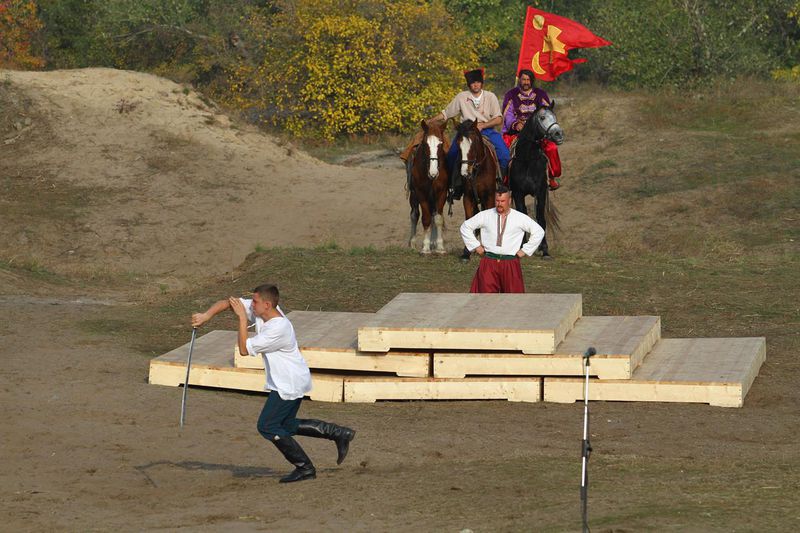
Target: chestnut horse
[[428, 188], [527, 173], [478, 169]]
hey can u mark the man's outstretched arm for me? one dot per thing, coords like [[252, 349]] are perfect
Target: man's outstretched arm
[[198, 319]]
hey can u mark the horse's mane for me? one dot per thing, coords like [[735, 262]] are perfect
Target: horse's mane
[[464, 129], [528, 131]]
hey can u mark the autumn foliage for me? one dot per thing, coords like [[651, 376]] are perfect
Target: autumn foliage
[[18, 26], [356, 66]]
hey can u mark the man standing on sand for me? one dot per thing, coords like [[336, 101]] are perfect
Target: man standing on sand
[[288, 378], [502, 232]]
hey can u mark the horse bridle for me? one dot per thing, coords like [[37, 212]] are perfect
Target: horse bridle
[[474, 162], [430, 157], [546, 131]]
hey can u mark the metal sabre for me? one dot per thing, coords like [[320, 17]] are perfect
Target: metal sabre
[[186, 381]]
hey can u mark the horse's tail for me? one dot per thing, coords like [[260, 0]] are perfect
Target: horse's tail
[[551, 215]]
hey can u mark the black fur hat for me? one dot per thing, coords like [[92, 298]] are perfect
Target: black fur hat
[[474, 75]]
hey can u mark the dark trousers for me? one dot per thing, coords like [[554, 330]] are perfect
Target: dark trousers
[[278, 417]]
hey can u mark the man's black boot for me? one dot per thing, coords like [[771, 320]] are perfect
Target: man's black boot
[[325, 430], [293, 453]]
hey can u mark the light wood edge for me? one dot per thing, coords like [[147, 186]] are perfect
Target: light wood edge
[[369, 391], [565, 390], [542, 342], [326, 387], [411, 365]]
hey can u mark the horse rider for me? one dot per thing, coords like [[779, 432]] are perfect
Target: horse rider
[[287, 374], [473, 104], [519, 104], [502, 230]]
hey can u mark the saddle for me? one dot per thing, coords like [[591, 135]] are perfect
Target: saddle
[[550, 151], [488, 144]]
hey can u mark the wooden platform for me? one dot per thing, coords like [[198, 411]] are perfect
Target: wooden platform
[[715, 371], [515, 389], [621, 344], [212, 366], [329, 341], [529, 323]]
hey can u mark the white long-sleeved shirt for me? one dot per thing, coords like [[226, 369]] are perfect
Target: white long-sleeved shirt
[[516, 226], [286, 371], [462, 104]]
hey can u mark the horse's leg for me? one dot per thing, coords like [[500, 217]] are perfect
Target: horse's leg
[[426, 224], [541, 200], [414, 217], [440, 196], [519, 205], [469, 212]]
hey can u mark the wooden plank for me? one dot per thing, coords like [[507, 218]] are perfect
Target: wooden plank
[[507, 388], [715, 371], [212, 368], [621, 344], [329, 341], [530, 323]]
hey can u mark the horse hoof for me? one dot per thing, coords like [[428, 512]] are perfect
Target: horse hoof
[[547, 257], [441, 251], [424, 252]]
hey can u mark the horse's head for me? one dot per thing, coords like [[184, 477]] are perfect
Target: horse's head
[[469, 142], [544, 124], [432, 147]]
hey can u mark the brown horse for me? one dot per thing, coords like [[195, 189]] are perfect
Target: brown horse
[[477, 167], [428, 188]]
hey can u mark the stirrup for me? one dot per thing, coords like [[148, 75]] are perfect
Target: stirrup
[[552, 184]]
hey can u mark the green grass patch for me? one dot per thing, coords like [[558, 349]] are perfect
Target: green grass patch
[[694, 296], [33, 270]]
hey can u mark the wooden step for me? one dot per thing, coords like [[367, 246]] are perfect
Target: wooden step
[[212, 367], [717, 371], [329, 341], [370, 389], [530, 323], [621, 344]]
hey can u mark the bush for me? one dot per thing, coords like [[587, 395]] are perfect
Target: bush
[[329, 67], [19, 25]]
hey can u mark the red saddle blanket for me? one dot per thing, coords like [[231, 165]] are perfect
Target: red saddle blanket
[[550, 149]]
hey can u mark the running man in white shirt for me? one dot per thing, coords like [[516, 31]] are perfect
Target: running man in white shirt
[[287, 374], [500, 247]]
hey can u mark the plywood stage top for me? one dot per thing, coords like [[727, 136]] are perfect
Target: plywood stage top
[[718, 371], [474, 312], [531, 323], [331, 331], [621, 343]]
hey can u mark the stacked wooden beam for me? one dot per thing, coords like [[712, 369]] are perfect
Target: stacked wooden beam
[[518, 347]]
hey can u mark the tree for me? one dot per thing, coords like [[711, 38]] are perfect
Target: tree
[[330, 67], [19, 24]]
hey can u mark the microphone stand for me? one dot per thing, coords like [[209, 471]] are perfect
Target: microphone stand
[[586, 447]]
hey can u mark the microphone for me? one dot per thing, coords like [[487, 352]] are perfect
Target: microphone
[[590, 351]]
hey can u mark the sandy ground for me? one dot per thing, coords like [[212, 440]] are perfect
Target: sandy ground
[[90, 446], [170, 188], [158, 181]]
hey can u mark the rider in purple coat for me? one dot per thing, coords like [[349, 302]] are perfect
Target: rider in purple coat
[[520, 102]]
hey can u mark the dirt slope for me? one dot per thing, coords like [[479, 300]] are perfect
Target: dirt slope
[[138, 174], [142, 175]]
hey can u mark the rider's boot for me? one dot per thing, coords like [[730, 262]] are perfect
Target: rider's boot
[[325, 430], [293, 453]]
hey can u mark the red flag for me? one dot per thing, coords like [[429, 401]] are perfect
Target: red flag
[[546, 39]]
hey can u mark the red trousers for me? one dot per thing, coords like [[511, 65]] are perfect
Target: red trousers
[[498, 275]]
